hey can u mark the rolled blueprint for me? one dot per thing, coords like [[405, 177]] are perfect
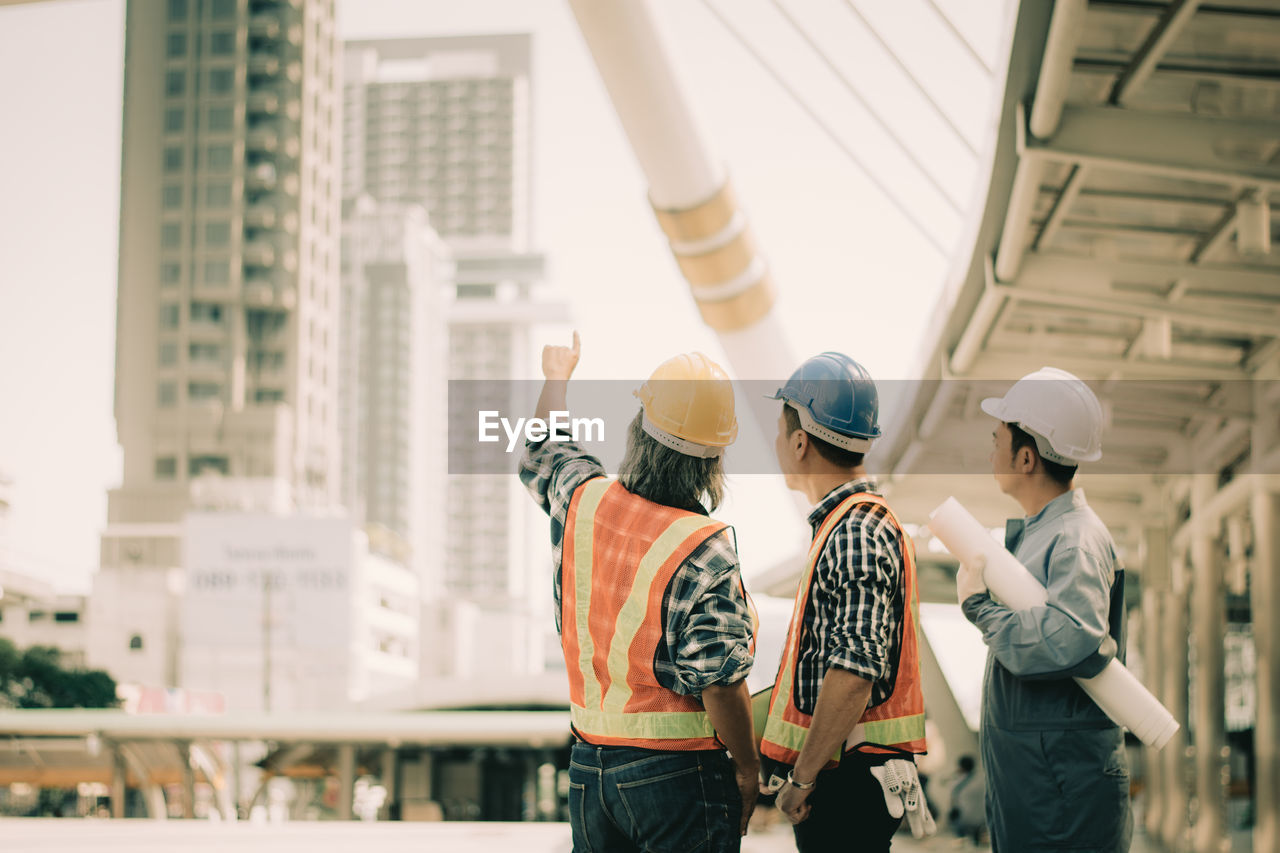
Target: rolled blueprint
[[1124, 699]]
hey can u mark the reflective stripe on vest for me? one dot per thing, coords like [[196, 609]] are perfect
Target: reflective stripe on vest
[[895, 724], [611, 619]]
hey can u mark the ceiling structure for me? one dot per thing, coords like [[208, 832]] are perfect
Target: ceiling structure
[[1127, 237]]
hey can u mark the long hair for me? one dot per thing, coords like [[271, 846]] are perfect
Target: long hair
[[657, 473]]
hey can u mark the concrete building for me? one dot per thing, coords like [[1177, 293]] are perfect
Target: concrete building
[[290, 613], [445, 123], [228, 288], [32, 613], [392, 396]]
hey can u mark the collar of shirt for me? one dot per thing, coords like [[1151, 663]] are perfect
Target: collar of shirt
[[1016, 528], [833, 498]]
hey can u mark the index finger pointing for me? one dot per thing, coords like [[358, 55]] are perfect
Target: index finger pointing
[[577, 342]]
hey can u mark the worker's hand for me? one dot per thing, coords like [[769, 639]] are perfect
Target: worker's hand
[[748, 788], [558, 362], [970, 580], [902, 794], [793, 802]]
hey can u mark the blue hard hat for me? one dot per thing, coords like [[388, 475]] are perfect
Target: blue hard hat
[[836, 399]]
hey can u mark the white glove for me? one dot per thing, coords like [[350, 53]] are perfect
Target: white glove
[[902, 793], [970, 580]]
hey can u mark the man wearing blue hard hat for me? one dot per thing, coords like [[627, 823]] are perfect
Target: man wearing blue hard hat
[[846, 714]]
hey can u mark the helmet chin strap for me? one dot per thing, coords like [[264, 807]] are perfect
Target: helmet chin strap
[[676, 443]]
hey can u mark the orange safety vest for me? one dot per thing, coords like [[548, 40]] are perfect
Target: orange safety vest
[[897, 724], [620, 554]]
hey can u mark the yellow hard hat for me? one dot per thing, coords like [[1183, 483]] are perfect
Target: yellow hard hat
[[688, 405]]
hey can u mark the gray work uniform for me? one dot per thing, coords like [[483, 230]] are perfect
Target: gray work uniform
[[1057, 777]]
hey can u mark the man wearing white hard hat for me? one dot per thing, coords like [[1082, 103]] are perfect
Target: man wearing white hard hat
[[1057, 777]]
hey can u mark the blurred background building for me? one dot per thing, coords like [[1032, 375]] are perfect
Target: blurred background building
[[227, 338], [287, 533], [396, 276], [444, 123]]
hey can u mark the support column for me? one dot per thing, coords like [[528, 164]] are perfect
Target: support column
[[1174, 696], [188, 781], [237, 781], [1152, 648], [346, 780], [1265, 586], [390, 771], [1208, 609], [1155, 591], [119, 781]]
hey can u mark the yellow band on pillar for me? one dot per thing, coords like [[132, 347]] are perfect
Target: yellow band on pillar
[[700, 222], [718, 265], [741, 311]]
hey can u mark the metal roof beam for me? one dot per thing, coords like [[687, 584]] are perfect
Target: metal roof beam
[[1251, 15], [1073, 269], [1065, 30], [975, 332], [1190, 147], [1259, 78], [1009, 365], [1159, 40], [1070, 190], [1260, 324]]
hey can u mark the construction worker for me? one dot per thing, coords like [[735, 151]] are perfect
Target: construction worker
[[1055, 763], [846, 714], [654, 621]]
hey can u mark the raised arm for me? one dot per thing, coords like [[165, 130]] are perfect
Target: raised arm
[[557, 366]]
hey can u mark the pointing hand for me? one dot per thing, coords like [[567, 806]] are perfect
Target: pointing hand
[[558, 362]]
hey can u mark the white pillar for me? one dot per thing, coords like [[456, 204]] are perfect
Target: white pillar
[[1174, 692], [237, 780], [390, 771], [1152, 647], [1209, 614], [119, 781], [1265, 592], [1155, 591], [346, 779], [188, 781]]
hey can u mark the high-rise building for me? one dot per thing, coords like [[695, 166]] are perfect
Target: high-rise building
[[226, 339], [445, 123], [392, 393]]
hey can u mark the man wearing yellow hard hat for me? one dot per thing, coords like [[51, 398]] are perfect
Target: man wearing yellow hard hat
[[653, 618]]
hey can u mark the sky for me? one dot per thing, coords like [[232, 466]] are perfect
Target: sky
[[853, 272]]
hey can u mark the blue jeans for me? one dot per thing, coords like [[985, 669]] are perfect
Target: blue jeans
[[623, 799]]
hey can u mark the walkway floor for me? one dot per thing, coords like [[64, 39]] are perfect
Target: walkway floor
[[69, 835]]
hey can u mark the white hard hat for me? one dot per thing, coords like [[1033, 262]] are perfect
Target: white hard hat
[[1059, 410]]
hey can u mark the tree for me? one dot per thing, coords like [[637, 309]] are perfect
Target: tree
[[37, 678]]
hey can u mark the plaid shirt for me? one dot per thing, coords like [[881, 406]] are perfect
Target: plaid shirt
[[706, 620], [854, 614]]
